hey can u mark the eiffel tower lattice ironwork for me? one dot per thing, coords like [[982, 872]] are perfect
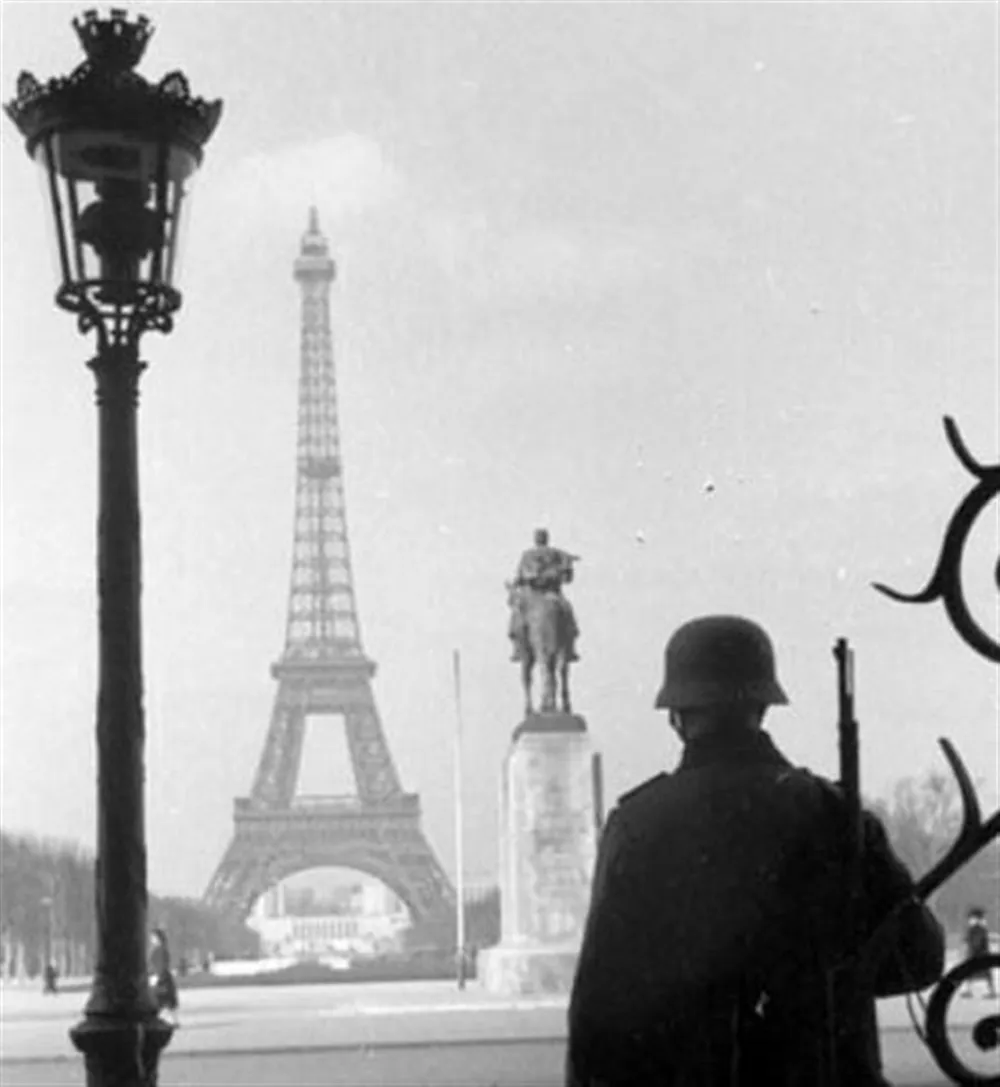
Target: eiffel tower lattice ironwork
[[324, 670]]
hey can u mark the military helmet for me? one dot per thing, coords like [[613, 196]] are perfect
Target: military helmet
[[719, 660]]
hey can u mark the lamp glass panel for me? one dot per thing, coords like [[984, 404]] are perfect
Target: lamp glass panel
[[178, 213], [76, 196], [106, 203], [56, 235]]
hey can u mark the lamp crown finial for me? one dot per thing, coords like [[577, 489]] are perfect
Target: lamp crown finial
[[113, 44]]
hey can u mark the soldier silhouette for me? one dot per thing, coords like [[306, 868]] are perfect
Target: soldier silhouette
[[717, 904], [164, 985]]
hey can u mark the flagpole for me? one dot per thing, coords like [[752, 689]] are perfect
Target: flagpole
[[459, 836]]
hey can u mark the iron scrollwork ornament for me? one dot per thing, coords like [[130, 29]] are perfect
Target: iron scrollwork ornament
[[984, 1035], [946, 584], [946, 581]]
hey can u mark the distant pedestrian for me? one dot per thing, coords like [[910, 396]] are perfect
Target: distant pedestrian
[[162, 979], [50, 979], [977, 945]]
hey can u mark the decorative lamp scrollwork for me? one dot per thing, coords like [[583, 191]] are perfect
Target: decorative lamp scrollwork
[[118, 154]]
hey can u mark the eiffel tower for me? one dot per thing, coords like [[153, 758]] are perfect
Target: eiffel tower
[[324, 670]]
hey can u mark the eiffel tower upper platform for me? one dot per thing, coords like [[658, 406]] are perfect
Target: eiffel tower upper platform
[[324, 670]]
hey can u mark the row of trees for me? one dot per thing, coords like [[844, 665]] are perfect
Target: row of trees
[[47, 892], [47, 913]]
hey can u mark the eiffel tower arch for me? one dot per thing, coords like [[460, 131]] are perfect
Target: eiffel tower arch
[[324, 670]]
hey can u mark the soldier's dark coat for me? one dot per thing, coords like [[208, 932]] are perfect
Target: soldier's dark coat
[[717, 904]]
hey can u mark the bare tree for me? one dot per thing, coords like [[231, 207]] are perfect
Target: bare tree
[[922, 817], [47, 910]]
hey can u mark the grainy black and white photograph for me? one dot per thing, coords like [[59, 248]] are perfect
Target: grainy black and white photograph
[[500, 533]]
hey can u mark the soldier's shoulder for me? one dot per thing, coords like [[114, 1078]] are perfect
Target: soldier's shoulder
[[814, 795], [804, 775], [804, 779], [829, 792], [647, 790]]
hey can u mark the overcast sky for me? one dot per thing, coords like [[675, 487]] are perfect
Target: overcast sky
[[591, 258]]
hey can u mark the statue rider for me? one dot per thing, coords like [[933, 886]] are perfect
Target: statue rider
[[542, 569]]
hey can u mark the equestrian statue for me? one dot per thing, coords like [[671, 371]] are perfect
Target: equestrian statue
[[542, 624]]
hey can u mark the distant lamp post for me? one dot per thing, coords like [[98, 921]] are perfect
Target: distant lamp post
[[117, 154]]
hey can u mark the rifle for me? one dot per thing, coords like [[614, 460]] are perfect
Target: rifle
[[840, 986], [850, 784]]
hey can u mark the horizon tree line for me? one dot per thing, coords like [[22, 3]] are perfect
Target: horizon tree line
[[47, 892], [47, 913]]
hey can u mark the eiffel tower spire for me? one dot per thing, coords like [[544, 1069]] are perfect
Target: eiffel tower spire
[[323, 672], [322, 613]]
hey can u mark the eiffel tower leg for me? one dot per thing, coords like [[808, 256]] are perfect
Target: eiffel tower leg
[[374, 772], [225, 887], [278, 770], [428, 891]]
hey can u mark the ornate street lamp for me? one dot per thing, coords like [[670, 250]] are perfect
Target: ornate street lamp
[[117, 154]]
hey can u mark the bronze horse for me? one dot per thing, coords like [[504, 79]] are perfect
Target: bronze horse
[[546, 640]]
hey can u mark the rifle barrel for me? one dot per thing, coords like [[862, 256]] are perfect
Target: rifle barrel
[[850, 778]]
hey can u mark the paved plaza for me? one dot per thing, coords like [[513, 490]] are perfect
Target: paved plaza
[[397, 1035], [254, 1019]]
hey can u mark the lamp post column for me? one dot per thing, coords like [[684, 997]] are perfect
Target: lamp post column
[[120, 1035], [117, 151]]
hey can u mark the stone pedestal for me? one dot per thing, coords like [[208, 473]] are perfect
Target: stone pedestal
[[548, 843]]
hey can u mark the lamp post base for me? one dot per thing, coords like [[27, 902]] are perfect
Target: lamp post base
[[120, 1053]]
